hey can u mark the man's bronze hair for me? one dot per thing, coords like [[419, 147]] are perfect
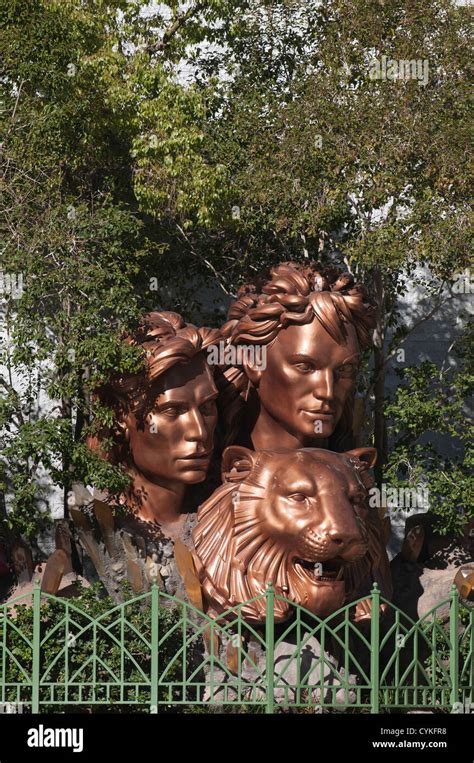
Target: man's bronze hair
[[166, 339], [295, 293]]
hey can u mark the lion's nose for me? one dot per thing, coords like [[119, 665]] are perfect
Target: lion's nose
[[343, 539]]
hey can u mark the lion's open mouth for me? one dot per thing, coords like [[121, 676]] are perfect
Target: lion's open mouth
[[331, 570]]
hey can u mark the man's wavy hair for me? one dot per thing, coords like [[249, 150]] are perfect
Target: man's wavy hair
[[166, 340], [294, 294]]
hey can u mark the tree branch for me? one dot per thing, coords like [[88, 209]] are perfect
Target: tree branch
[[206, 262], [170, 32], [412, 328]]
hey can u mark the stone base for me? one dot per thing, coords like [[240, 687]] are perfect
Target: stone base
[[317, 673]]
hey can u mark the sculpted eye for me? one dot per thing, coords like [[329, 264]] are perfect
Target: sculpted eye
[[207, 409], [297, 497], [347, 370], [171, 412], [304, 368]]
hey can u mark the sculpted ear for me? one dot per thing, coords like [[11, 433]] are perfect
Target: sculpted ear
[[252, 370], [368, 456], [237, 463]]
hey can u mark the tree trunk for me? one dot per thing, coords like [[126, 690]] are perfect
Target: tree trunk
[[380, 428]]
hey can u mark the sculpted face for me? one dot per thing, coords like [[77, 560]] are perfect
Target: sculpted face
[[297, 518], [315, 516], [173, 441], [307, 380]]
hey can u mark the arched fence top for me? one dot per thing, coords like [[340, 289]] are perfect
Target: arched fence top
[[434, 654], [22, 600]]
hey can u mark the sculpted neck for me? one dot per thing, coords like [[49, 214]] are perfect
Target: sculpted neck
[[157, 502], [268, 433]]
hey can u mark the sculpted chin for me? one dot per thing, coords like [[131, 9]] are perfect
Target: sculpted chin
[[296, 518]]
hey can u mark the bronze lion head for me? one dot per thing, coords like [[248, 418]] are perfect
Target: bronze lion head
[[296, 518]]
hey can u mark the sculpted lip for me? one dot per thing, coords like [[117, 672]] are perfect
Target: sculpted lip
[[196, 456], [319, 413]]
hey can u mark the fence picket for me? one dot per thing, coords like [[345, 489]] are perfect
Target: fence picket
[[270, 645], [36, 656], [454, 645], [154, 648], [375, 649], [443, 682]]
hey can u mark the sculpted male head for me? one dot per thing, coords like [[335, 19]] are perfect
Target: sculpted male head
[[314, 327], [165, 415]]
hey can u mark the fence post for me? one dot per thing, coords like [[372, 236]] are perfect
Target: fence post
[[471, 671], [35, 668], [269, 644], [154, 648], [454, 646], [375, 649]]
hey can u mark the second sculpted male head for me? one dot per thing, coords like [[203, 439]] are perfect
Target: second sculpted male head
[[314, 326]]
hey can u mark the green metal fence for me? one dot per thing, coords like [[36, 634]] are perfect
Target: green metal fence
[[174, 655]]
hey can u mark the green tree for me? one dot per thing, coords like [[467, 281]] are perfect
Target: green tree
[[198, 146], [323, 160], [428, 403], [75, 81]]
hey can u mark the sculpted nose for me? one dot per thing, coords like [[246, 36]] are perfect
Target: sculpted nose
[[324, 387], [345, 538], [196, 429]]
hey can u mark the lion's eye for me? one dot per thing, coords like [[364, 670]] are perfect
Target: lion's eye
[[298, 497]]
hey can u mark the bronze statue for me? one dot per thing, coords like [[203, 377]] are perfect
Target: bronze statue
[[314, 325], [296, 518], [164, 419]]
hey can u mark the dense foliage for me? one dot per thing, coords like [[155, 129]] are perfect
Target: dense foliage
[[432, 401], [147, 151], [71, 653]]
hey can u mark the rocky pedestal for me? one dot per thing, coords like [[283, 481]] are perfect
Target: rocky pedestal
[[424, 572], [122, 549], [304, 674]]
